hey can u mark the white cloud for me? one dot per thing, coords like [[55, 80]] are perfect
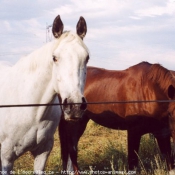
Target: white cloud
[[6, 25], [63, 10], [158, 10]]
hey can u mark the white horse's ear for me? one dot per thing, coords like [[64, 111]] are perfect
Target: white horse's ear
[[57, 28], [81, 27]]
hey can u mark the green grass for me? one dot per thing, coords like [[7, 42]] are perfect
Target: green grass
[[102, 149]]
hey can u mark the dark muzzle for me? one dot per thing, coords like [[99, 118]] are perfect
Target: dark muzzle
[[74, 111]]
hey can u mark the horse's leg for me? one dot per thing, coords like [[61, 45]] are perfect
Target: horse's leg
[[40, 156], [163, 134], [74, 136], [7, 158], [70, 133], [165, 148], [133, 147], [63, 143], [67, 146]]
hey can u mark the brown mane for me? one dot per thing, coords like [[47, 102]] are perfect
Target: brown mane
[[161, 76]]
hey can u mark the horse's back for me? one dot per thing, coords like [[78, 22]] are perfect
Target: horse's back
[[95, 75], [112, 85]]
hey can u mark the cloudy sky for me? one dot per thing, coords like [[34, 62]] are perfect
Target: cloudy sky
[[121, 33]]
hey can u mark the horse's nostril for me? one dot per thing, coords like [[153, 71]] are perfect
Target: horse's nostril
[[65, 102], [84, 104], [83, 100]]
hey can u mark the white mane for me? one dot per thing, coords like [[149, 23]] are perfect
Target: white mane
[[5, 64], [40, 57], [4, 68]]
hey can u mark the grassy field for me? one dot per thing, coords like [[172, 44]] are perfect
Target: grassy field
[[102, 149]]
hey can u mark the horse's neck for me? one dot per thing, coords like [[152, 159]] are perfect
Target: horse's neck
[[37, 87]]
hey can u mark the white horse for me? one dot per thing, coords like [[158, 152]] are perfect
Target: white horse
[[59, 67]]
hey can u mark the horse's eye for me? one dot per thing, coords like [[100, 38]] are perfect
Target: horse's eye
[[54, 59]]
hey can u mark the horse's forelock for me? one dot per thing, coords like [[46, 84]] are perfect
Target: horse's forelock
[[69, 37]]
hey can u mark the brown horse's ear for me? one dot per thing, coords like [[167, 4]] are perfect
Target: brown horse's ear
[[81, 27], [57, 28], [171, 92]]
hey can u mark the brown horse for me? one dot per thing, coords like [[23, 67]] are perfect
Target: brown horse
[[142, 82]]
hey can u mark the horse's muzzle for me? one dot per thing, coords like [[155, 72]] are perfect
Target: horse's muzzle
[[73, 111]]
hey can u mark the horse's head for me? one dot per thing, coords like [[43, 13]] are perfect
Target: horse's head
[[70, 57]]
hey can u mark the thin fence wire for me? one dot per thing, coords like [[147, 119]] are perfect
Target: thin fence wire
[[88, 103]]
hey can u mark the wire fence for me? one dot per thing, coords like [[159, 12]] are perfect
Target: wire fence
[[88, 103]]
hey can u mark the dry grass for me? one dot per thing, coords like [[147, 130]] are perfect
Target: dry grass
[[102, 149], [106, 149]]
